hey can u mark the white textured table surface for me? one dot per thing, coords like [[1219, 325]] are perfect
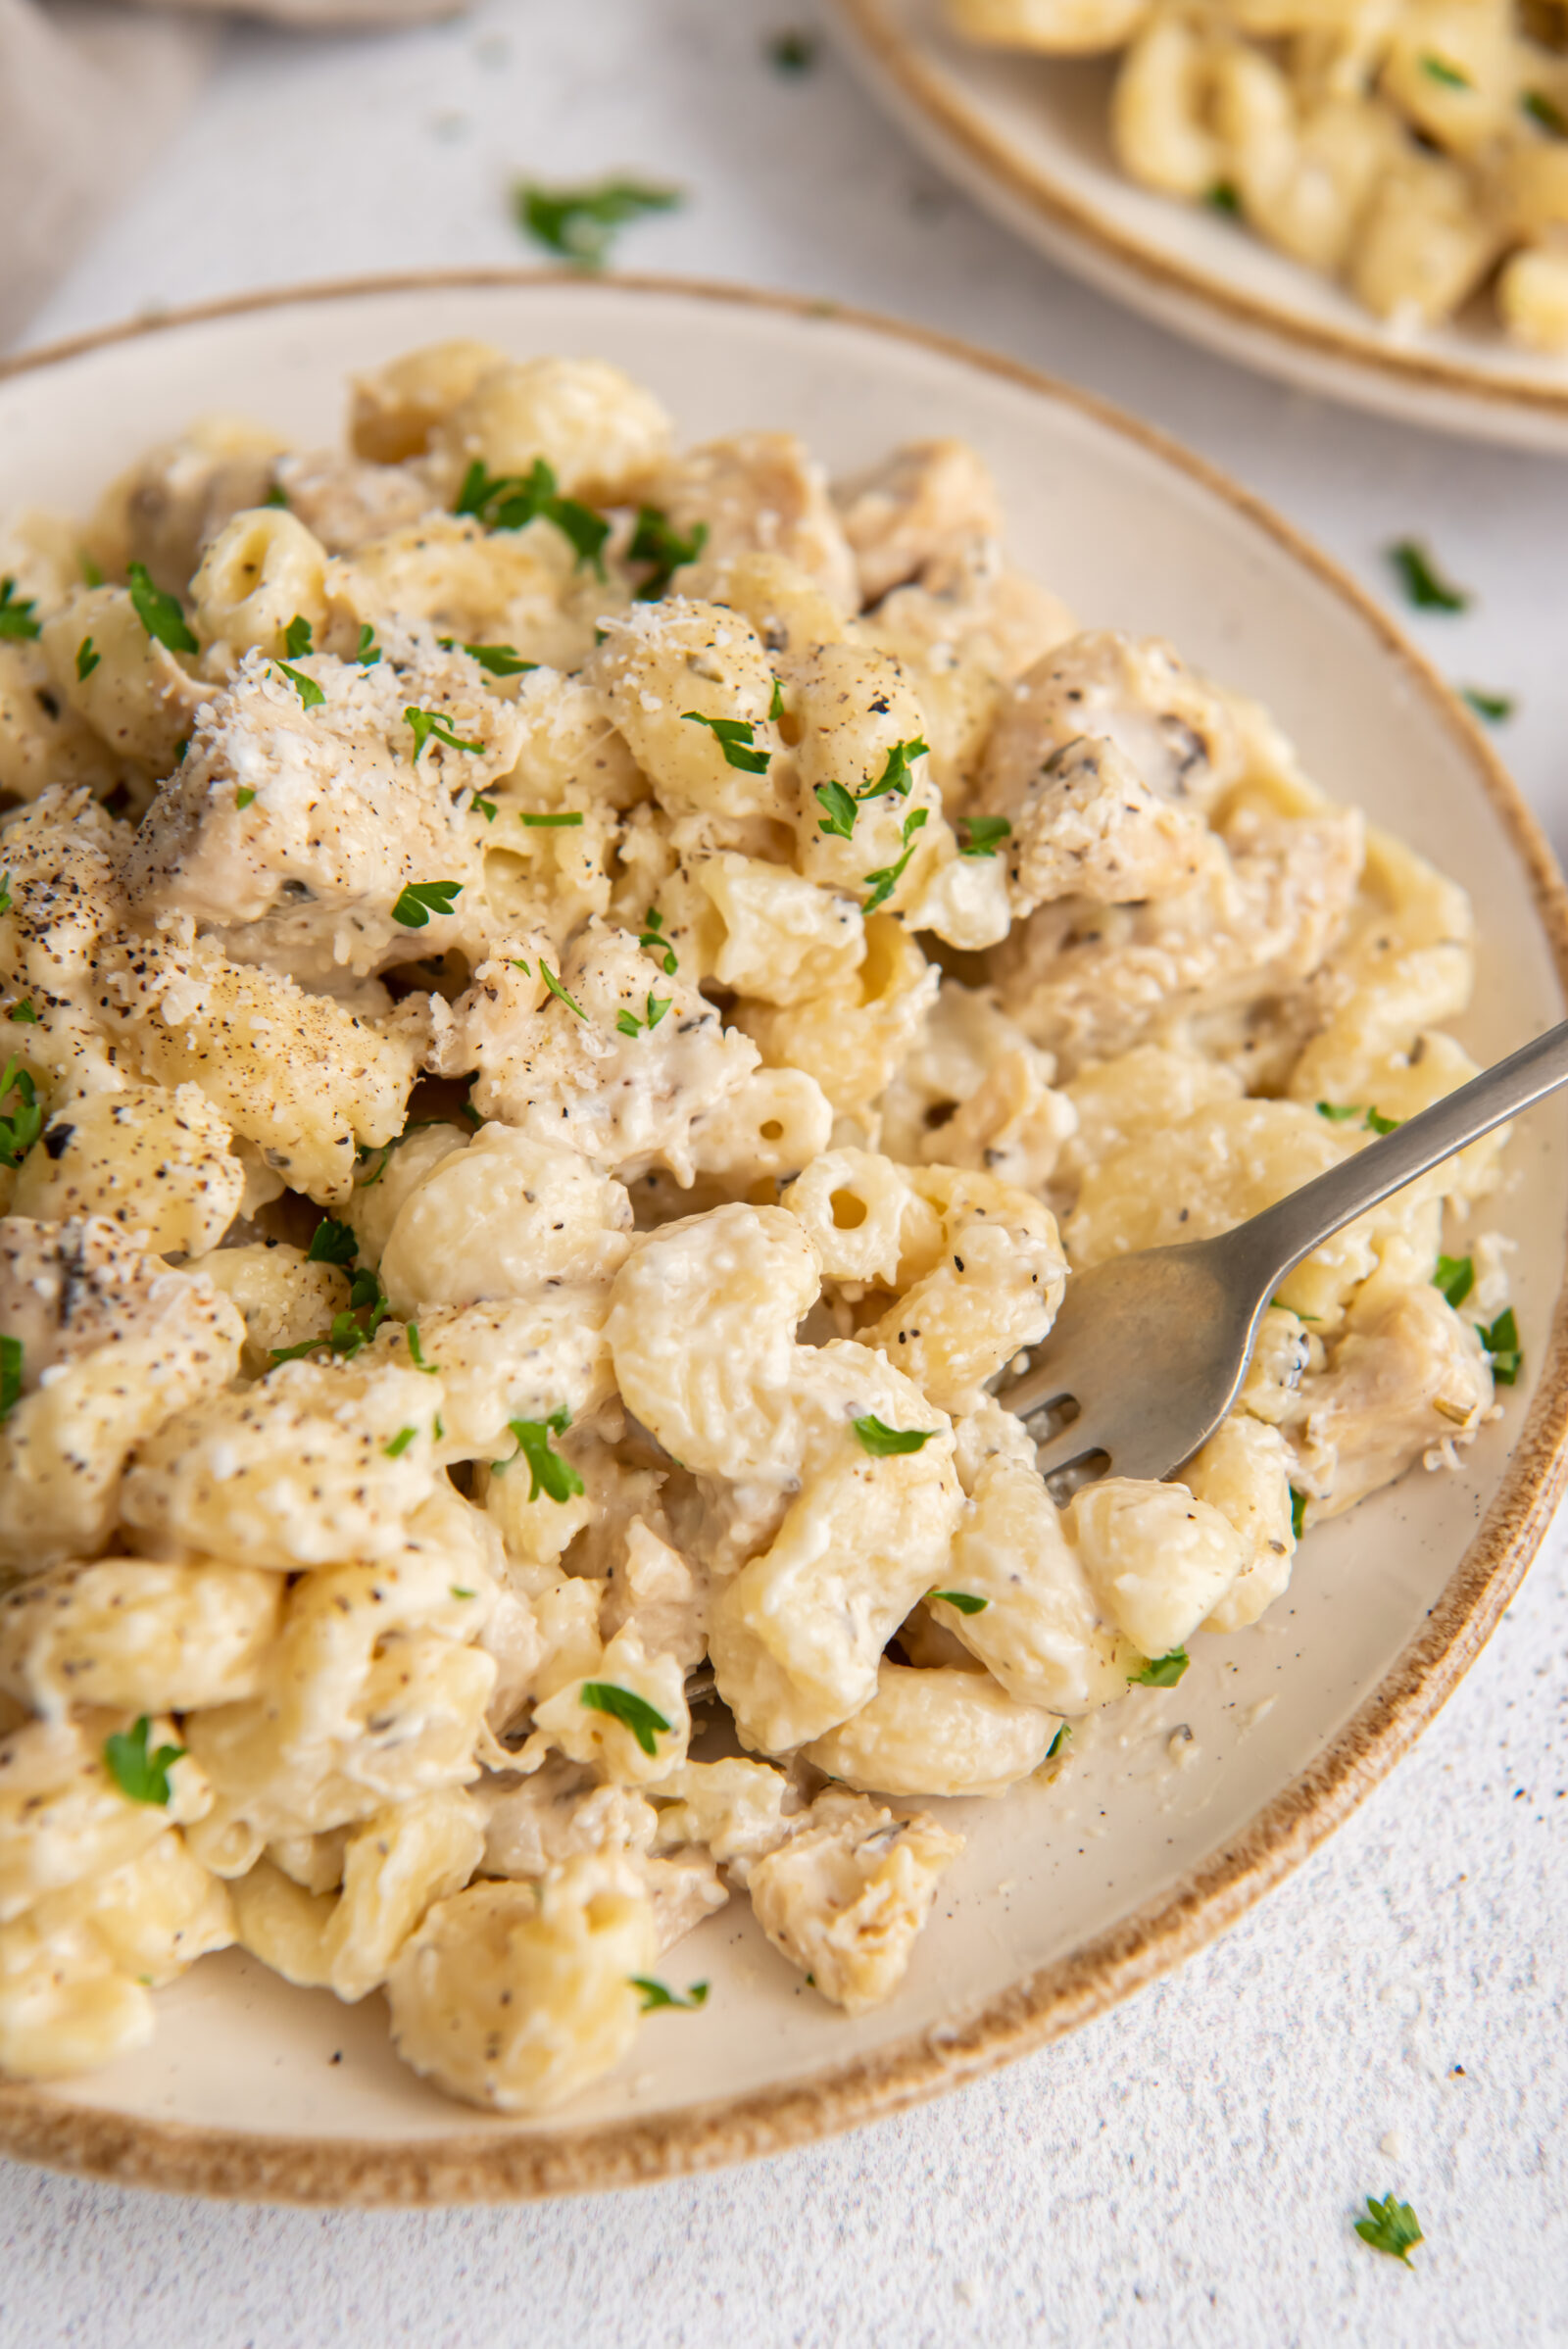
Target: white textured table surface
[[1186, 2170]]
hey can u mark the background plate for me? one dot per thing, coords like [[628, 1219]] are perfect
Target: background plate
[[1070, 1896]]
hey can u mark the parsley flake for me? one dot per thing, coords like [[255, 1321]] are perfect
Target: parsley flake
[[420, 899], [1455, 1276], [887, 878], [5, 893], [733, 736], [624, 1705], [21, 1129], [17, 611], [1377, 1123], [560, 822], [138, 1774], [1496, 708], [400, 1443], [982, 835], [298, 637], [1224, 196], [630, 1025], [1437, 69], [775, 707], [370, 651], [501, 660], [87, 659], [276, 496], [10, 1376], [883, 1441], [965, 1600], [651, 937], [1299, 1501], [480, 805], [309, 691], [556, 989], [547, 1472], [1059, 1742], [1338, 1112], [895, 777], [579, 223], [657, 541], [1425, 588], [460, 1591], [655, 1993], [1392, 2227], [1541, 109], [509, 500], [244, 795], [160, 615], [416, 1351], [92, 572], [792, 52], [1162, 1672], [424, 723], [24, 1015], [332, 1244], [1501, 1343], [839, 809]]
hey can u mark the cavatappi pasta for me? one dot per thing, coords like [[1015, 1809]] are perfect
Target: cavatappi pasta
[[1415, 151], [573, 1004]]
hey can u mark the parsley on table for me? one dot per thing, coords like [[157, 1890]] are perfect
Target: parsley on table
[[332, 1244], [1501, 1343], [299, 637], [1455, 1276], [887, 878], [547, 1472], [733, 736], [655, 1993], [21, 1129], [1224, 196], [1541, 109], [424, 723], [1392, 2227], [310, 692], [1496, 708], [420, 899], [17, 611], [1437, 69], [400, 1443], [630, 1025], [657, 541], [511, 500], [24, 1015], [965, 1600], [1299, 1501], [563, 820], [1162, 1672], [651, 937], [982, 835], [160, 615], [10, 1376], [792, 52], [138, 1774], [553, 984], [87, 659], [1058, 1743], [1425, 588], [882, 1441], [370, 651], [839, 809], [624, 1705], [579, 223], [502, 661]]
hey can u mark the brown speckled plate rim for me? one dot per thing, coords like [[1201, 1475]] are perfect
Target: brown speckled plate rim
[[883, 45], [497, 2161]]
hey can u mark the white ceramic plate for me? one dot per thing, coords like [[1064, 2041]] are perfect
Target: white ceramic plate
[[1066, 1897], [1027, 137]]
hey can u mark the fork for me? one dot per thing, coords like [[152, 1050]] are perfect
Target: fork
[[1153, 1348]]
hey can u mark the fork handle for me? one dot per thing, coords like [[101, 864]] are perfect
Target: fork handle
[[1279, 1238]]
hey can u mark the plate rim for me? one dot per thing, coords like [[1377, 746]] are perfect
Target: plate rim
[[516, 2162], [885, 47]]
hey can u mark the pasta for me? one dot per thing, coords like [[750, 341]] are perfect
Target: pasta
[[1413, 151], [573, 1006]]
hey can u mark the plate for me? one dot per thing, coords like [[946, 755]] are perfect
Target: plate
[[1027, 137], [1066, 1899]]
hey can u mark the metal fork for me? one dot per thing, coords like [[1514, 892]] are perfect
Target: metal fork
[[1153, 1347]]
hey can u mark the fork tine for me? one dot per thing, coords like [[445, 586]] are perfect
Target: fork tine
[[1067, 1445]]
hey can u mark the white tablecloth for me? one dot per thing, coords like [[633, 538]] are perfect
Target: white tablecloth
[[1186, 2170]]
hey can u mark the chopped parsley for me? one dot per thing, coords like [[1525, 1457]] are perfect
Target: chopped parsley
[[420, 899], [882, 1441], [655, 1993], [485, 806], [400, 1443], [138, 1774], [24, 1015], [276, 496], [332, 1244], [792, 52], [839, 809], [1224, 196], [309, 691], [1437, 69], [1455, 1276], [10, 1376], [160, 615], [775, 707], [651, 937], [500, 659], [560, 822], [624, 1705], [5, 893], [416, 1351], [1496, 708], [965, 1600], [1162, 1672], [982, 835], [1377, 1123], [733, 736], [579, 223], [1541, 109], [657, 541], [1339, 1111], [424, 723], [1501, 1343], [887, 878], [87, 659], [895, 776], [92, 572], [244, 795], [517, 963], [1392, 2227], [348, 1331], [553, 984], [1422, 585], [298, 637], [630, 1025], [21, 1129], [1059, 1742], [547, 1472], [370, 651], [1299, 1501], [460, 1591], [509, 500], [17, 611]]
